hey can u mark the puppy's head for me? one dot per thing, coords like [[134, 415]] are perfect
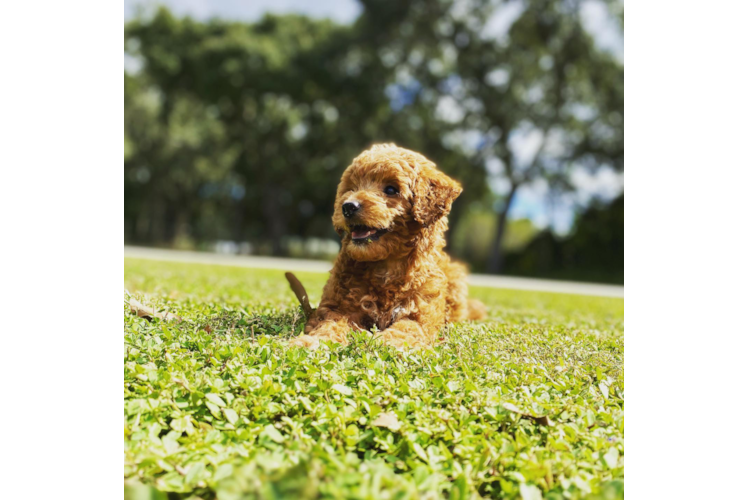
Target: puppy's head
[[386, 197]]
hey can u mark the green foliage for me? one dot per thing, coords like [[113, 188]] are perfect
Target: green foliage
[[544, 78], [218, 406], [470, 240], [577, 256]]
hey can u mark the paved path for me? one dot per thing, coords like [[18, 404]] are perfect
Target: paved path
[[318, 266]]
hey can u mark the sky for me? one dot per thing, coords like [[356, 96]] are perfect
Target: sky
[[343, 11], [532, 201]]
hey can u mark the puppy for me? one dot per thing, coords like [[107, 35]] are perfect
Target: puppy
[[392, 272]]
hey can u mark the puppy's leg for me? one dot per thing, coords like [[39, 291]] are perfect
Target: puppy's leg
[[324, 325], [409, 331]]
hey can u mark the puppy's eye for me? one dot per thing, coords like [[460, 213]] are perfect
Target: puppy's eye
[[390, 190]]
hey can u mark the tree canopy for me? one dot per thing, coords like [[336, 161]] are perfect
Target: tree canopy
[[240, 131]]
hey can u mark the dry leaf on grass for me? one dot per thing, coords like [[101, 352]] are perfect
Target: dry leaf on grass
[[388, 420], [149, 313], [544, 420]]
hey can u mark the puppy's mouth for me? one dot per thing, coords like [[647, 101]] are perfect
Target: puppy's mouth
[[365, 234]]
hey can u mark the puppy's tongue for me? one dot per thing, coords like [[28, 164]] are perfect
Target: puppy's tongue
[[364, 233]]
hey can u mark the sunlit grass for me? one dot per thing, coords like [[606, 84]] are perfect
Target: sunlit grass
[[219, 405]]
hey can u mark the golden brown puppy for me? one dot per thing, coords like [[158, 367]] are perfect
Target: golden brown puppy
[[391, 212]]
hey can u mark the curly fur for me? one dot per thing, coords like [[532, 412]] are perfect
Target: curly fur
[[403, 283]]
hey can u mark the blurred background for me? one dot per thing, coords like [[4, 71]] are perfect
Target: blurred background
[[240, 117]]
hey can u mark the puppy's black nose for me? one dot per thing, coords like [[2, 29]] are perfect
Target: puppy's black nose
[[350, 208]]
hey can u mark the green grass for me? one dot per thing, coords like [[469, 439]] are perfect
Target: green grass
[[219, 406]]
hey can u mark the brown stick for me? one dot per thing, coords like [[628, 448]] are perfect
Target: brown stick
[[300, 292], [149, 313]]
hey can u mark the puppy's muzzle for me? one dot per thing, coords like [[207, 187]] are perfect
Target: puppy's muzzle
[[350, 208]]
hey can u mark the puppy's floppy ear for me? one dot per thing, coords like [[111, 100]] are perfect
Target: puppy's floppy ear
[[433, 196]]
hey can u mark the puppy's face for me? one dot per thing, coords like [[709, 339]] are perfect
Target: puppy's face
[[385, 198]]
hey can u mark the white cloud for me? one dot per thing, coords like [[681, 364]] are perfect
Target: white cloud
[[466, 141], [604, 183], [498, 77], [499, 24], [497, 181], [556, 143], [602, 27], [524, 143], [461, 9], [494, 166], [133, 64], [534, 94], [449, 110], [342, 11], [499, 185]]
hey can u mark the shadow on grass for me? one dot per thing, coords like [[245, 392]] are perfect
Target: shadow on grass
[[280, 323]]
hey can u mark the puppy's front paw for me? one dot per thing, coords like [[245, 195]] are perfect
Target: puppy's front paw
[[307, 341], [404, 336]]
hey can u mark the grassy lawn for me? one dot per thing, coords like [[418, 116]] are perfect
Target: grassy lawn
[[219, 406]]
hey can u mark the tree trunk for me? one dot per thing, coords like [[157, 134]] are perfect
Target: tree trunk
[[496, 254]]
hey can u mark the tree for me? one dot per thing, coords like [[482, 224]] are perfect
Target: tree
[[240, 130], [177, 143], [592, 252], [543, 82], [295, 104]]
